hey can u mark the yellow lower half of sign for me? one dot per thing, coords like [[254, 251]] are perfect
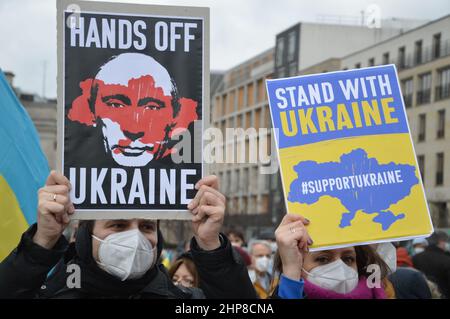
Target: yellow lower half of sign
[[12, 220], [326, 214]]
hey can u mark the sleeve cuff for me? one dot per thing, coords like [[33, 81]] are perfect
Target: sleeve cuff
[[290, 289], [40, 255], [213, 258]]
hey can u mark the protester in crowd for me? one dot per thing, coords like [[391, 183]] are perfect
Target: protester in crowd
[[406, 282], [236, 237], [410, 283], [118, 258], [419, 245], [183, 271], [434, 261], [244, 255], [328, 274], [403, 258], [259, 271]]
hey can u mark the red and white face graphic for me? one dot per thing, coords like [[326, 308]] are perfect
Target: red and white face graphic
[[134, 106]]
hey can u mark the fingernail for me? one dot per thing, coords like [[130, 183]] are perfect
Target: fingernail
[[196, 186], [307, 220], [310, 241]]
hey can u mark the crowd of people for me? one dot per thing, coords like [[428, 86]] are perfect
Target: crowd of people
[[126, 259], [413, 269]]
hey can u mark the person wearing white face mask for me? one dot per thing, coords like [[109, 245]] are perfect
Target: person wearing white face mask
[[259, 271], [328, 274], [419, 245], [119, 258]]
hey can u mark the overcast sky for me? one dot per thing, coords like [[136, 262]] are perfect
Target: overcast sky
[[240, 29]]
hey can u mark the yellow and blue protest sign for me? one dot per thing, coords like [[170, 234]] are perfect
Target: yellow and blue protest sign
[[346, 156], [23, 169]]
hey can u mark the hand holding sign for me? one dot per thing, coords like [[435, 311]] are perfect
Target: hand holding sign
[[208, 210], [292, 238], [54, 208]]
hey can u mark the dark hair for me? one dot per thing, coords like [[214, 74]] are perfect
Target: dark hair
[[236, 233], [365, 256], [190, 267], [89, 224], [437, 237]]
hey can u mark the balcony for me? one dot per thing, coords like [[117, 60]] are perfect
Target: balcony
[[421, 137], [423, 97], [439, 178], [427, 54], [408, 99], [442, 92]]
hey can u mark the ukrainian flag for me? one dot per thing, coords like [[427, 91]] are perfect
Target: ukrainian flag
[[23, 169]]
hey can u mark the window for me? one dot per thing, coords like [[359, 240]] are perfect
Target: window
[[436, 45], [422, 127], [279, 52], [293, 69], [439, 169], [238, 181], [441, 124], [443, 87], [250, 95], [386, 58], [401, 58], [407, 89], [227, 182], [357, 65], [261, 91], [421, 163], [291, 46], [418, 52], [246, 178], [371, 62], [281, 73], [423, 93]]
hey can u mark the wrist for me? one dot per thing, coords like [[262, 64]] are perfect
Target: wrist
[[208, 244], [45, 241], [292, 273]]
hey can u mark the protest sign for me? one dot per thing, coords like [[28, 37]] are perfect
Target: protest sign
[[133, 93], [347, 159]]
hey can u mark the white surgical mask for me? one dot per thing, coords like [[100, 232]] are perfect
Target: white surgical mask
[[262, 263], [418, 250], [335, 276], [388, 253], [126, 255]]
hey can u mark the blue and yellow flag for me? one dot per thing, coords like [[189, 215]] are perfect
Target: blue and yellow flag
[[23, 169], [347, 159]]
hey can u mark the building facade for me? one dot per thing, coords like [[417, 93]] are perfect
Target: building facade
[[422, 58], [255, 199]]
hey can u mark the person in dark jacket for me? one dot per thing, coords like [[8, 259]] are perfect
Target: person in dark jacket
[[409, 283], [434, 262], [119, 258]]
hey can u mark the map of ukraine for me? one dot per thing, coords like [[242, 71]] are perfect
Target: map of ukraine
[[359, 182]]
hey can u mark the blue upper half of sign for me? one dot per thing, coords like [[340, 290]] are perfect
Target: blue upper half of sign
[[313, 108]]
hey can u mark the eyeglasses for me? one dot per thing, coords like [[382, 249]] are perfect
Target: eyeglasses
[[185, 282]]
